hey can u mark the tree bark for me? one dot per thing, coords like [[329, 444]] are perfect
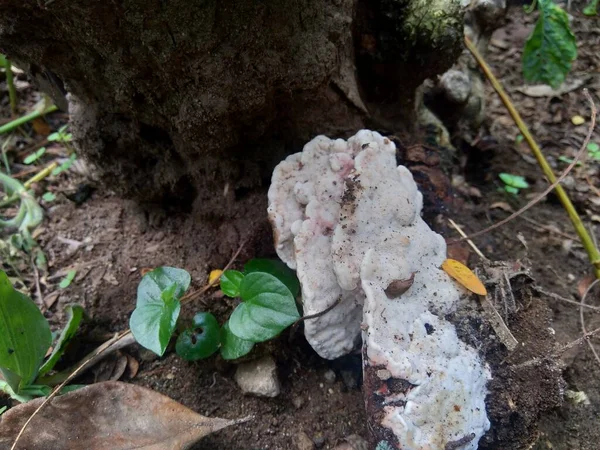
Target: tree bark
[[175, 100]]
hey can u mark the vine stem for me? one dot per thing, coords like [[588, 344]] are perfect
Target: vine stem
[[586, 239]]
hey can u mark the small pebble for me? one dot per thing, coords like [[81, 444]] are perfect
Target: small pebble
[[384, 374], [258, 377], [297, 402], [330, 376], [303, 442]]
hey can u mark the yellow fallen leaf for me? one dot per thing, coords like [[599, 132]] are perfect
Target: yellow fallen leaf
[[577, 120], [464, 276], [214, 275]]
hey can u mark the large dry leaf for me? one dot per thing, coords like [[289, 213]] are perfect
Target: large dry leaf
[[107, 416]]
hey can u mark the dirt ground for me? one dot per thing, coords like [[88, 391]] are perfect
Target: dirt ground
[[110, 241]]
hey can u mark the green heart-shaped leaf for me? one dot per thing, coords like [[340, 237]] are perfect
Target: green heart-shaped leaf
[[277, 268], [551, 47], [268, 308], [155, 316], [232, 347], [230, 282]]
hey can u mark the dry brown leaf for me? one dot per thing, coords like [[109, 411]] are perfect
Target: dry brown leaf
[[583, 284], [120, 367], [111, 368], [460, 252], [108, 416], [41, 127], [50, 299], [502, 205], [133, 366], [543, 90]]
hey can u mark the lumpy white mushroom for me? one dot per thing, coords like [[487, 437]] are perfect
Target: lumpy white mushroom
[[347, 218]]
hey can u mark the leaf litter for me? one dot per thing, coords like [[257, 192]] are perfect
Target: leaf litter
[[108, 416]]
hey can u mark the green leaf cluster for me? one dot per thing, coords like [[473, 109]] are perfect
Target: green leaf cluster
[[591, 9], [65, 165], [61, 135], [593, 150], [551, 48], [25, 339], [33, 157], [267, 290], [513, 183]]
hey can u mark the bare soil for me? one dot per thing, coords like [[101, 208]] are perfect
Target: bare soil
[[110, 241]]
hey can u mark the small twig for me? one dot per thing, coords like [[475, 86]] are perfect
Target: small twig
[[591, 185], [321, 313], [582, 318], [534, 223], [38, 289], [584, 236], [469, 241], [125, 339], [194, 295], [40, 175], [294, 326], [585, 337], [552, 186], [560, 351], [566, 300], [498, 324]]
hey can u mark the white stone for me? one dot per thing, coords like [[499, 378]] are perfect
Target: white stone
[[258, 377]]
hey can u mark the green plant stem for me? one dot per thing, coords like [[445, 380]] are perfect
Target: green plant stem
[[40, 175], [586, 239], [10, 82], [9, 182], [10, 126]]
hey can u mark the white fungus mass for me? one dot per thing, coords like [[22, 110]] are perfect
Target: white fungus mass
[[347, 218]]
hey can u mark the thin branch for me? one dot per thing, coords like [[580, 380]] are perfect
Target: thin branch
[[560, 351], [294, 326], [38, 289], [566, 300], [582, 318], [469, 241], [321, 313]]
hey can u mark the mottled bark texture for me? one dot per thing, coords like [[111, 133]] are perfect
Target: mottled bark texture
[[198, 100]]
